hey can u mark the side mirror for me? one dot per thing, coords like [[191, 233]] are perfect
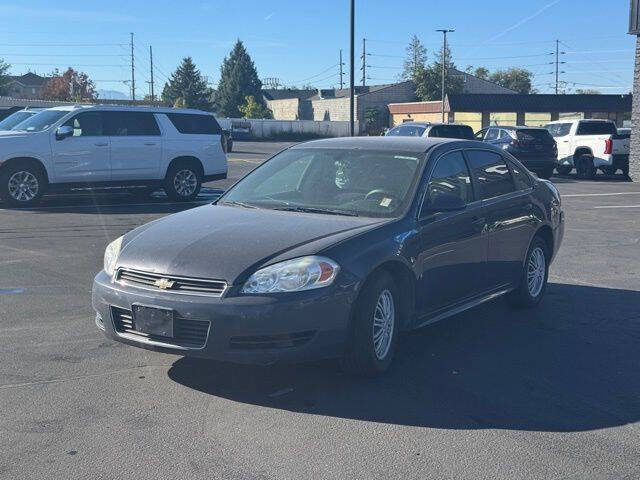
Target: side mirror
[[443, 202], [63, 132]]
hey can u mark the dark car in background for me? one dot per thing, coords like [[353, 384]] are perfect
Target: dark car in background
[[17, 117], [432, 130], [330, 249], [534, 147]]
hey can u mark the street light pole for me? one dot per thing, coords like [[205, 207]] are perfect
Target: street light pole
[[351, 68], [444, 64]]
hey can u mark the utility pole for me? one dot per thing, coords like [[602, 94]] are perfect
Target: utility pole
[[133, 73], [351, 68], [153, 96], [364, 61], [444, 64], [341, 64]]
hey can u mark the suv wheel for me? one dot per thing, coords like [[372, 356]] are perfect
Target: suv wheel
[[375, 329], [534, 276], [183, 182], [22, 185], [584, 167], [564, 169], [546, 174]]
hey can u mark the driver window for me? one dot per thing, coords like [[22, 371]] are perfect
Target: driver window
[[492, 134], [86, 124], [480, 135], [286, 180], [451, 177]]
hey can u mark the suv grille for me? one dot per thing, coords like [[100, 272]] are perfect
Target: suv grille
[[193, 286], [187, 333]]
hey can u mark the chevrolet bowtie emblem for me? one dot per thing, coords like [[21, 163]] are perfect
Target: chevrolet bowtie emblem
[[164, 283]]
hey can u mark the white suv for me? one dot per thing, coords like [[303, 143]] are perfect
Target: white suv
[[98, 146]]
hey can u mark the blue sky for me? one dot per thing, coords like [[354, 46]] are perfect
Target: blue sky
[[299, 41]]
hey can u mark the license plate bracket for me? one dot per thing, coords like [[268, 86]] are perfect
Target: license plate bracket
[[153, 320]]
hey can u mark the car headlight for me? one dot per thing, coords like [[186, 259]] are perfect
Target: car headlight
[[304, 273], [111, 256]]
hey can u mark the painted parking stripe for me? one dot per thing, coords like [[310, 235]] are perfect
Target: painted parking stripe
[[124, 205], [599, 194], [11, 291], [618, 206]]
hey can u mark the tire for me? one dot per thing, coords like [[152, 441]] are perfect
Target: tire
[[609, 170], [530, 293], [183, 182], [564, 169], [585, 168], [22, 185], [377, 310], [546, 174]]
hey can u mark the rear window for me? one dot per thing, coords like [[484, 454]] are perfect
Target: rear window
[[406, 131], [130, 124], [194, 124], [596, 128], [452, 131], [534, 135], [559, 129]]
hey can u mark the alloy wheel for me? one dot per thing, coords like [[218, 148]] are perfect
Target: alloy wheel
[[23, 186], [536, 271], [185, 183], [383, 324]]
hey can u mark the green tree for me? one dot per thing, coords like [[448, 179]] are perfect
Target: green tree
[[253, 109], [238, 80], [188, 85], [415, 60], [587, 91], [480, 72], [518, 79], [429, 79], [4, 76]]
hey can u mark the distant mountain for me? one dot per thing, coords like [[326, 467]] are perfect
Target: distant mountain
[[112, 95]]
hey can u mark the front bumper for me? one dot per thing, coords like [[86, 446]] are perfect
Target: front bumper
[[290, 327]]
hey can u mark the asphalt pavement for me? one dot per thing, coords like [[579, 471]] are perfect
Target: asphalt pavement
[[550, 393]]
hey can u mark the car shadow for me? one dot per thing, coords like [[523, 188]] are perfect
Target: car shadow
[[569, 365], [557, 178]]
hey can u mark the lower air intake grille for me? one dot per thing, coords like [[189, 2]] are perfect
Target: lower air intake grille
[[271, 341], [187, 333]]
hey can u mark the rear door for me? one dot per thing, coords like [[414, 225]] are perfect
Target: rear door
[[560, 132], [535, 143], [453, 245], [509, 213], [136, 146], [83, 157]]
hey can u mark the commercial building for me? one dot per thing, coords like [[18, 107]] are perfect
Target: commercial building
[[482, 110]]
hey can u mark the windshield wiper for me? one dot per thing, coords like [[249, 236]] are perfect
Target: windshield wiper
[[239, 204], [326, 211]]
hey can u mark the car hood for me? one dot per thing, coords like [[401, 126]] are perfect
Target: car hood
[[229, 243]]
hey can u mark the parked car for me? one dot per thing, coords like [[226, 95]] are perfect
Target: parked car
[[534, 147], [17, 117], [589, 145], [433, 130], [98, 146], [331, 248], [227, 140]]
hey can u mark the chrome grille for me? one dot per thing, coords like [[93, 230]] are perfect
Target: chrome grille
[[186, 333], [172, 283]]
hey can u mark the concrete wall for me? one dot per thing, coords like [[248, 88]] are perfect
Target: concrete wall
[[380, 99], [334, 109], [285, 109], [399, 118], [270, 128]]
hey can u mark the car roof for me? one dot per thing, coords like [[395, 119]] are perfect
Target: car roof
[[406, 144], [127, 108], [581, 120]]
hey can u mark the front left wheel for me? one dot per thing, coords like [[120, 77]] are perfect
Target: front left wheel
[[375, 328], [183, 182], [534, 276], [22, 185]]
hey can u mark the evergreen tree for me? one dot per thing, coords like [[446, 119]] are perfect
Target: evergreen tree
[[238, 80], [429, 80], [188, 86], [253, 109], [415, 60], [4, 76]]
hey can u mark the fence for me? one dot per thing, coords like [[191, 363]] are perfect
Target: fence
[[275, 128]]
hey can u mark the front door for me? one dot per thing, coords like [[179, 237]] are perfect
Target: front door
[[453, 245], [136, 146], [85, 156]]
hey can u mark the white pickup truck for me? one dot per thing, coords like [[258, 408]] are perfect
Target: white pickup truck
[[589, 145]]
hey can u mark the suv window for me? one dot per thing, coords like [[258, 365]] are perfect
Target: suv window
[[596, 128], [451, 176], [452, 131], [490, 173], [559, 129], [131, 124], [194, 124], [492, 134], [86, 124], [406, 131]]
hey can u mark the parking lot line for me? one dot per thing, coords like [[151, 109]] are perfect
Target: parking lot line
[[599, 194], [617, 206], [56, 207]]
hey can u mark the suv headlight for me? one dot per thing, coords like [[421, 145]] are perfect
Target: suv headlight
[[304, 273], [111, 256]]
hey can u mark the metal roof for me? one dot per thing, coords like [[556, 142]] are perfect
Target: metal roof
[[537, 103]]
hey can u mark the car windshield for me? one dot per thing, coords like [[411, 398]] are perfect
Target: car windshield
[[14, 119], [347, 182], [40, 121]]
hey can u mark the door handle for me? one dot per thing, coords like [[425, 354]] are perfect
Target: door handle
[[101, 144], [149, 144]]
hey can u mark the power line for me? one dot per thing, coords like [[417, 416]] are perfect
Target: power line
[[56, 55], [316, 75], [75, 64]]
